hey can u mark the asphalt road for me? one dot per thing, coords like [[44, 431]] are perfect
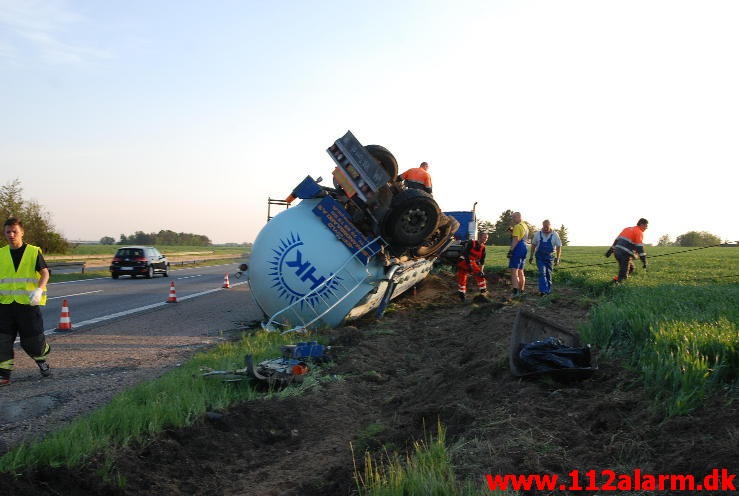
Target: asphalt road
[[92, 301]]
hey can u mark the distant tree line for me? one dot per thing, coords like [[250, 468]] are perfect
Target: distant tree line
[[37, 224], [690, 238], [500, 231], [163, 237]]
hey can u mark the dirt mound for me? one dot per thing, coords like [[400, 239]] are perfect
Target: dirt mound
[[430, 359]]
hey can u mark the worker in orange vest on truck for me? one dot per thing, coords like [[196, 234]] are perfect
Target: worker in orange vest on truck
[[418, 178], [628, 245], [472, 261]]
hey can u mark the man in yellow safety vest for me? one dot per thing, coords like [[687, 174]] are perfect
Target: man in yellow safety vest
[[23, 278]]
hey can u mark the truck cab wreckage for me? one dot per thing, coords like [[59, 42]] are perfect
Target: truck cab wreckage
[[349, 249]]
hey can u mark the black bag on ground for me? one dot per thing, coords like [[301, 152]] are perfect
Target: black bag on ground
[[552, 354]]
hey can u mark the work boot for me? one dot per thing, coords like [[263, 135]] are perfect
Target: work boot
[[44, 368], [515, 291], [461, 296]]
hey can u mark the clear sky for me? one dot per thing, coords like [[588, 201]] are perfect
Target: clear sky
[[184, 115]]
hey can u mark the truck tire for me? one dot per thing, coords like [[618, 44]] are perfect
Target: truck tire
[[413, 217], [433, 245], [385, 158]]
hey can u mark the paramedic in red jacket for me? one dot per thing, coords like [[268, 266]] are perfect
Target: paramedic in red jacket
[[472, 261], [627, 246]]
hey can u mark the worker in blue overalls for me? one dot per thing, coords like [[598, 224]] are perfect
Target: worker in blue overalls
[[547, 246]]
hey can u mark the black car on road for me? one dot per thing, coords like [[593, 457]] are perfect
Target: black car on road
[[138, 261]]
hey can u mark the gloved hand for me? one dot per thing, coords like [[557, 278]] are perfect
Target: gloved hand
[[510, 253], [36, 296], [609, 252]]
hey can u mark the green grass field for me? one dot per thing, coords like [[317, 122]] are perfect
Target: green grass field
[[675, 323]]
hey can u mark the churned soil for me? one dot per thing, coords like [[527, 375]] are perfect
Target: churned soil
[[430, 360]]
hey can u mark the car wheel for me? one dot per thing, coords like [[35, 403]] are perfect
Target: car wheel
[[166, 271], [413, 217], [150, 272], [114, 275]]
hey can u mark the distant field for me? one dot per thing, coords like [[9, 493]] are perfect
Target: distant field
[[166, 249], [676, 323]]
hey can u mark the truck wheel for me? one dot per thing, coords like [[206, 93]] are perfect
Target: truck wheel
[[413, 217], [385, 158], [439, 239]]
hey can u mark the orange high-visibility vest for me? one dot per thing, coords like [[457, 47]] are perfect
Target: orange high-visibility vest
[[418, 175], [631, 240]]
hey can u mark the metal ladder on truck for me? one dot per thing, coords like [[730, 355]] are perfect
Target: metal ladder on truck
[[315, 296]]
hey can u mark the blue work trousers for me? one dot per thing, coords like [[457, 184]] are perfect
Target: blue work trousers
[[544, 264]]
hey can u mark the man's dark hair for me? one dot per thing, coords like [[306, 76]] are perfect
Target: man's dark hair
[[423, 163], [642, 221], [13, 222]]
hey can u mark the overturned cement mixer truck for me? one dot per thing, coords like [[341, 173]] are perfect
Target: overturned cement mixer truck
[[345, 250]]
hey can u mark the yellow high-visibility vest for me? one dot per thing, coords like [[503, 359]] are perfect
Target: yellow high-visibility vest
[[17, 285]]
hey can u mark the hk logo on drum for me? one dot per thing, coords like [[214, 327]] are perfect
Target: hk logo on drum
[[296, 276]]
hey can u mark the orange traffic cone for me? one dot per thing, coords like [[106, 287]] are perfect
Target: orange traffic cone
[[226, 283], [172, 298], [65, 323]]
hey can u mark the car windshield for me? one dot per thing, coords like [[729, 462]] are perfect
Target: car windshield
[[130, 252]]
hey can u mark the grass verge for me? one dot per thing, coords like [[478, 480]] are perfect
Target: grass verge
[[178, 398], [683, 339], [426, 471], [676, 323]]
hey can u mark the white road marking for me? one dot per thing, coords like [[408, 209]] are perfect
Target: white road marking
[[139, 309], [78, 280], [189, 277], [76, 294]]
